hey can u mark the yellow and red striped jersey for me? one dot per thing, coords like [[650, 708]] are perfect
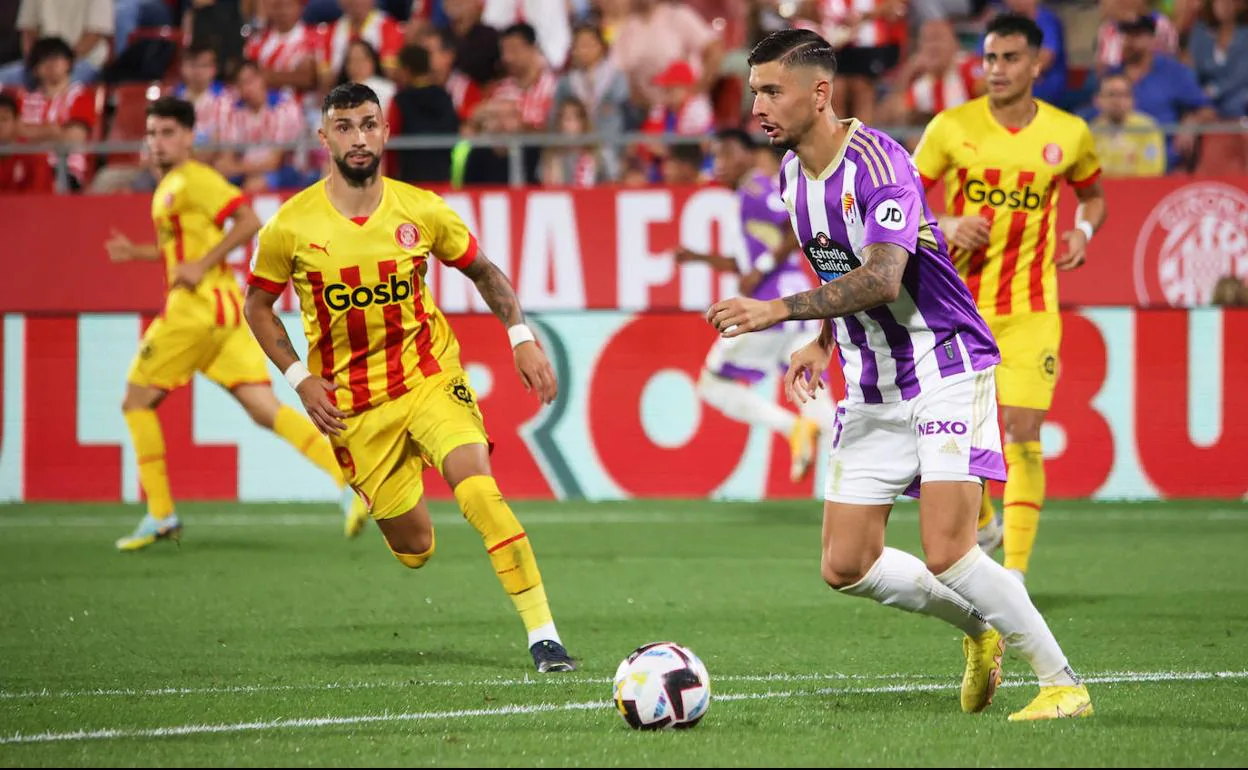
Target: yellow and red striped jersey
[[189, 209], [1010, 178], [371, 323]]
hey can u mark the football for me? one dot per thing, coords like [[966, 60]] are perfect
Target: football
[[662, 685]]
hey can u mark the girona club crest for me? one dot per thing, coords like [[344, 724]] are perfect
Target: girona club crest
[[1194, 236], [1052, 154], [407, 235]]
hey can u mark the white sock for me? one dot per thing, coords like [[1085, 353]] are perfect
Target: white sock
[[544, 633], [1006, 605], [901, 580], [742, 404]]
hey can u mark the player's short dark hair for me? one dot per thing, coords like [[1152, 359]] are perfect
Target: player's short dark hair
[[172, 107], [414, 59], [795, 48], [198, 48], [737, 135], [349, 95], [46, 48], [523, 30], [1007, 24], [687, 153]]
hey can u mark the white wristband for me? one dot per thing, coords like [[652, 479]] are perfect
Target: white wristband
[[1085, 227], [765, 263], [296, 373], [519, 334]]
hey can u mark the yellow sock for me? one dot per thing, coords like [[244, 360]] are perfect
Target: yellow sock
[[303, 436], [508, 546], [149, 449], [1024, 497], [986, 511]]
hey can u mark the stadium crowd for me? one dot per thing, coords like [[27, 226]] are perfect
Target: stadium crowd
[[83, 70]]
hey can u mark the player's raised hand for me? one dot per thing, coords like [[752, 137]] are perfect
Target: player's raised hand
[[1076, 250], [970, 233], [805, 375], [535, 371], [736, 316], [119, 247], [189, 274], [315, 392]]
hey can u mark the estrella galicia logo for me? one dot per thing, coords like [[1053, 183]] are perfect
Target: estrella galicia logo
[[459, 390], [829, 259]]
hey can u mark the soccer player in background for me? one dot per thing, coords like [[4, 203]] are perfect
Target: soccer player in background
[[767, 271], [918, 362], [1003, 157], [388, 386], [201, 328]]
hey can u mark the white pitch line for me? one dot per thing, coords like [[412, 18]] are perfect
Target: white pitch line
[[304, 722], [249, 689], [729, 512]]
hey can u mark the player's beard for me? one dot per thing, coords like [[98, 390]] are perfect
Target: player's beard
[[358, 176]]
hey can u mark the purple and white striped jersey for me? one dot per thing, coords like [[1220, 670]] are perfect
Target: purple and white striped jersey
[[763, 214], [871, 193]]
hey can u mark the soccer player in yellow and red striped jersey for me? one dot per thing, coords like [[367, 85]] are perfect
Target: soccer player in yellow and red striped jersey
[[1003, 158], [383, 377], [201, 328]]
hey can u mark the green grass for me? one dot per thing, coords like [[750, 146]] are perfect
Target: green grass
[[265, 616]]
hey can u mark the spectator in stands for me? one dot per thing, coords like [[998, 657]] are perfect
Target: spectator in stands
[[58, 109], [1127, 142], [285, 48], [573, 166], [529, 78], [610, 16], [680, 107], [683, 165], [261, 116], [363, 65], [1230, 291], [211, 98], [218, 24], [19, 173], [658, 34], [1051, 85], [593, 81], [420, 107], [1165, 89], [84, 25], [477, 52], [939, 75], [491, 164], [360, 21], [464, 92], [868, 35], [1109, 37], [549, 19], [1219, 52]]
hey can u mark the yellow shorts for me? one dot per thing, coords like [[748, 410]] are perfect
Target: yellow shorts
[[190, 337], [384, 450], [1029, 344]]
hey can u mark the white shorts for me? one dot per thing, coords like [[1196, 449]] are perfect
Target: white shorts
[[950, 433], [751, 357]]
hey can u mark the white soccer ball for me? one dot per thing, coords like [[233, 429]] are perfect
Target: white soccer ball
[[662, 685]]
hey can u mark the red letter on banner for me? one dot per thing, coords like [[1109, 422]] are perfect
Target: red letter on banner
[[1089, 455]]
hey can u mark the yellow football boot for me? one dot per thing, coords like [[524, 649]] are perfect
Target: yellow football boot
[[983, 670], [1058, 702]]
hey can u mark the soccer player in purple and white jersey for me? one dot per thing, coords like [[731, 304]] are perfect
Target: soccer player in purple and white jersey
[[920, 411], [769, 268]]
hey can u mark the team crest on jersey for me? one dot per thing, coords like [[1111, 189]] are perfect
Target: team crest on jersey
[[407, 235], [847, 203], [1052, 154]]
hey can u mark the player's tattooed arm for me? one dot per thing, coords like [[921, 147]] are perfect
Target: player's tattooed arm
[[496, 290], [876, 283], [268, 329]]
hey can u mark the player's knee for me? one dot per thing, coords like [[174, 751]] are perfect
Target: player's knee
[[841, 575], [415, 550]]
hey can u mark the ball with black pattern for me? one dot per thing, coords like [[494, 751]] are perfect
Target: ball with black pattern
[[662, 685]]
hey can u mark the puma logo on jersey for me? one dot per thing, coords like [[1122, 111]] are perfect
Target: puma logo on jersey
[[319, 247]]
